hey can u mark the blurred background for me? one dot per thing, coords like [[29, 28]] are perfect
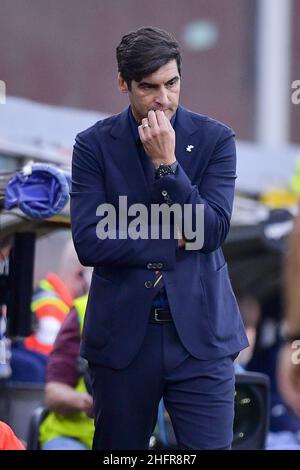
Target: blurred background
[[241, 65], [239, 57]]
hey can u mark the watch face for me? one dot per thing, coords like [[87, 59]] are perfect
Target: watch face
[[164, 170]]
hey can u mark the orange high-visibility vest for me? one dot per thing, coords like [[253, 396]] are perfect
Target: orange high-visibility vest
[[8, 439], [50, 305]]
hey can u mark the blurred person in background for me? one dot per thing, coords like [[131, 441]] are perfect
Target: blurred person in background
[[278, 327], [51, 303], [5, 368], [8, 439], [288, 370], [53, 299], [68, 425], [251, 314]]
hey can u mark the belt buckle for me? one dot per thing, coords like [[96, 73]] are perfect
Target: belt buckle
[[156, 312]]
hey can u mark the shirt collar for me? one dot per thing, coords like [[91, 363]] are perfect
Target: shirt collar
[[134, 125]]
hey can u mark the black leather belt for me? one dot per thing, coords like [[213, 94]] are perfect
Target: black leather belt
[[159, 315]]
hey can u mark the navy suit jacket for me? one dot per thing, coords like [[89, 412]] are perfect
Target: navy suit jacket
[[106, 165]]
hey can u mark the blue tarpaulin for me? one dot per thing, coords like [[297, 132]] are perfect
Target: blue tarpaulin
[[39, 190]]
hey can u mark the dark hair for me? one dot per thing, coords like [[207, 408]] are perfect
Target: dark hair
[[144, 51]]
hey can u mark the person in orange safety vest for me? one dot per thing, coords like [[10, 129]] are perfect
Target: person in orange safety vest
[[8, 439], [53, 299]]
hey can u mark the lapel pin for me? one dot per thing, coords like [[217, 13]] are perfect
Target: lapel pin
[[189, 148]]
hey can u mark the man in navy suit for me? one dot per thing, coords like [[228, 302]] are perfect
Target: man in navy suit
[[161, 319]]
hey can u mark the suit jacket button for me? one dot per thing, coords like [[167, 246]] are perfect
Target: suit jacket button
[[159, 265], [164, 193], [154, 266], [148, 284], [150, 266]]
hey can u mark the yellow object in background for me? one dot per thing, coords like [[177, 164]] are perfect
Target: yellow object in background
[[284, 197], [280, 198], [295, 182]]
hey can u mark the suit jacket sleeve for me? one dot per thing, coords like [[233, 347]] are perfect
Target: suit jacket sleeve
[[88, 192], [215, 191]]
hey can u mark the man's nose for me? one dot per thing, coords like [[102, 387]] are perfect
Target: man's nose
[[162, 97]]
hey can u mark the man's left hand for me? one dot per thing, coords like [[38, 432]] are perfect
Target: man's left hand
[[158, 138]]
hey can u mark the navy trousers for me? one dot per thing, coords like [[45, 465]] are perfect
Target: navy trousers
[[198, 395]]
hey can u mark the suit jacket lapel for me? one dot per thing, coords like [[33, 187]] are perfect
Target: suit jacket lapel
[[187, 139]]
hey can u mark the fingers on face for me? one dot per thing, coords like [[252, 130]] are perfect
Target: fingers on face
[[152, 120], [146, 126], [141, 133], [144, 129], [145, 122], [155, 122], [163, 121], [160, 116], [158, 120], [169, 125]]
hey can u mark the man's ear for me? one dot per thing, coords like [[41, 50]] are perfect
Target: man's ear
[[122, 84]]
